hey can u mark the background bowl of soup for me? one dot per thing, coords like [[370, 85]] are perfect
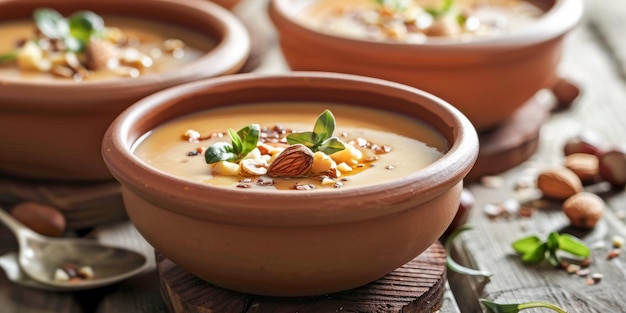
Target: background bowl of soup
[[52, 126], [487, 60], [293, 236]]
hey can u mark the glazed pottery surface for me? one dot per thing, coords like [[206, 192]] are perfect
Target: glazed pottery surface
[[488, 79], [289, 242], [53, 130]]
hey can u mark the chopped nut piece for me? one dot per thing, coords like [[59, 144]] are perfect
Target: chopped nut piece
[[614, 253], [618, 241], [61, 275], [300, 186]]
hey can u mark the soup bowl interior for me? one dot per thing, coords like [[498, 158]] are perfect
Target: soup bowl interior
[[487, 78], [290, 242], [56, 125]]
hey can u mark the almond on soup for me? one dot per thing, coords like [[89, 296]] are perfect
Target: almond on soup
[[419, 21], [86, 46], [345, 147]]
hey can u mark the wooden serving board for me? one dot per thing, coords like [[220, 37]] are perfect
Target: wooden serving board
[[418, 286], [84, 205], [513, 141]]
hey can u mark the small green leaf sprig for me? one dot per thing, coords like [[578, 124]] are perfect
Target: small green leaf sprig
[[242, 143], [246, 139], [534, 250], [321, 138], [514, 308], [74, 31], [453, 265]]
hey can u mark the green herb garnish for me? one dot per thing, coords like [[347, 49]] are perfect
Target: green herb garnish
[[446, 6], [74, 31], [320, 139], [534, 250], [453, 265], [394, 4], [514, 308], [242, 143]]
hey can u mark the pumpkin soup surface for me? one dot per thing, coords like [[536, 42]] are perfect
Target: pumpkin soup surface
[[418, 21], [391, 145], [148, 47]]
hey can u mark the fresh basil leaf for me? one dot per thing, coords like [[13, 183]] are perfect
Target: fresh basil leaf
[[526, 244], [453, 265], [553, 241], [573, 245], [303, 138], [237, 144], [331, 146], [220, 151], [536, 255], [84, 24], [249, 138], [324, 127], [51, 23]]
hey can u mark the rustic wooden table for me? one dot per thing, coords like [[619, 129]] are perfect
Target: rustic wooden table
[[594, 56]]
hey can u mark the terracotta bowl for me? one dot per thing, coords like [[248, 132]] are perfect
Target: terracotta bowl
[[229, 4], [287, 242], [53, 130], [487, 79]]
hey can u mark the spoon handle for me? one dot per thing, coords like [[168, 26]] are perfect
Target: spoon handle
[[14, 225]]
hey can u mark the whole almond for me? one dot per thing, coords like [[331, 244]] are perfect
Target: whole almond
[[294, 161], [559, 183], [585, 166], [584, 209]]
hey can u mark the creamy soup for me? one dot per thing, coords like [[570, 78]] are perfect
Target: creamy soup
[[147, 47], [418, 21], [391, 145]]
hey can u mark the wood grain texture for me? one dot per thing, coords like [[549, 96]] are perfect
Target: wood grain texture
[[417, 286]]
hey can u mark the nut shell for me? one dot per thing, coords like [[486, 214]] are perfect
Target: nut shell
[[585, 166], [613, 167], [584, 209], [294, 161], [559, 183], [41, 218]]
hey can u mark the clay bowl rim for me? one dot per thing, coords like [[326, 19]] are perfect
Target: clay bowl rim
[[321, 205], [559, 19], [230, 52]]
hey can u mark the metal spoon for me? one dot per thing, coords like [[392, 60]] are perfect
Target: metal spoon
[[39, 257]]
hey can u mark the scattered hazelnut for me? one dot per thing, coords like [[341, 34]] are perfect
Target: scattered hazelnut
[[566, 92], [41, 218], [585, 142], [585, 166], [559, 183], [613, 167], [584, 209]]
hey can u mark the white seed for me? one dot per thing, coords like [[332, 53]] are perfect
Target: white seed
[[191, 135], [618, 241], [61, 275], [573, 268], [86, 272], [511, 206], [492, 210]]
